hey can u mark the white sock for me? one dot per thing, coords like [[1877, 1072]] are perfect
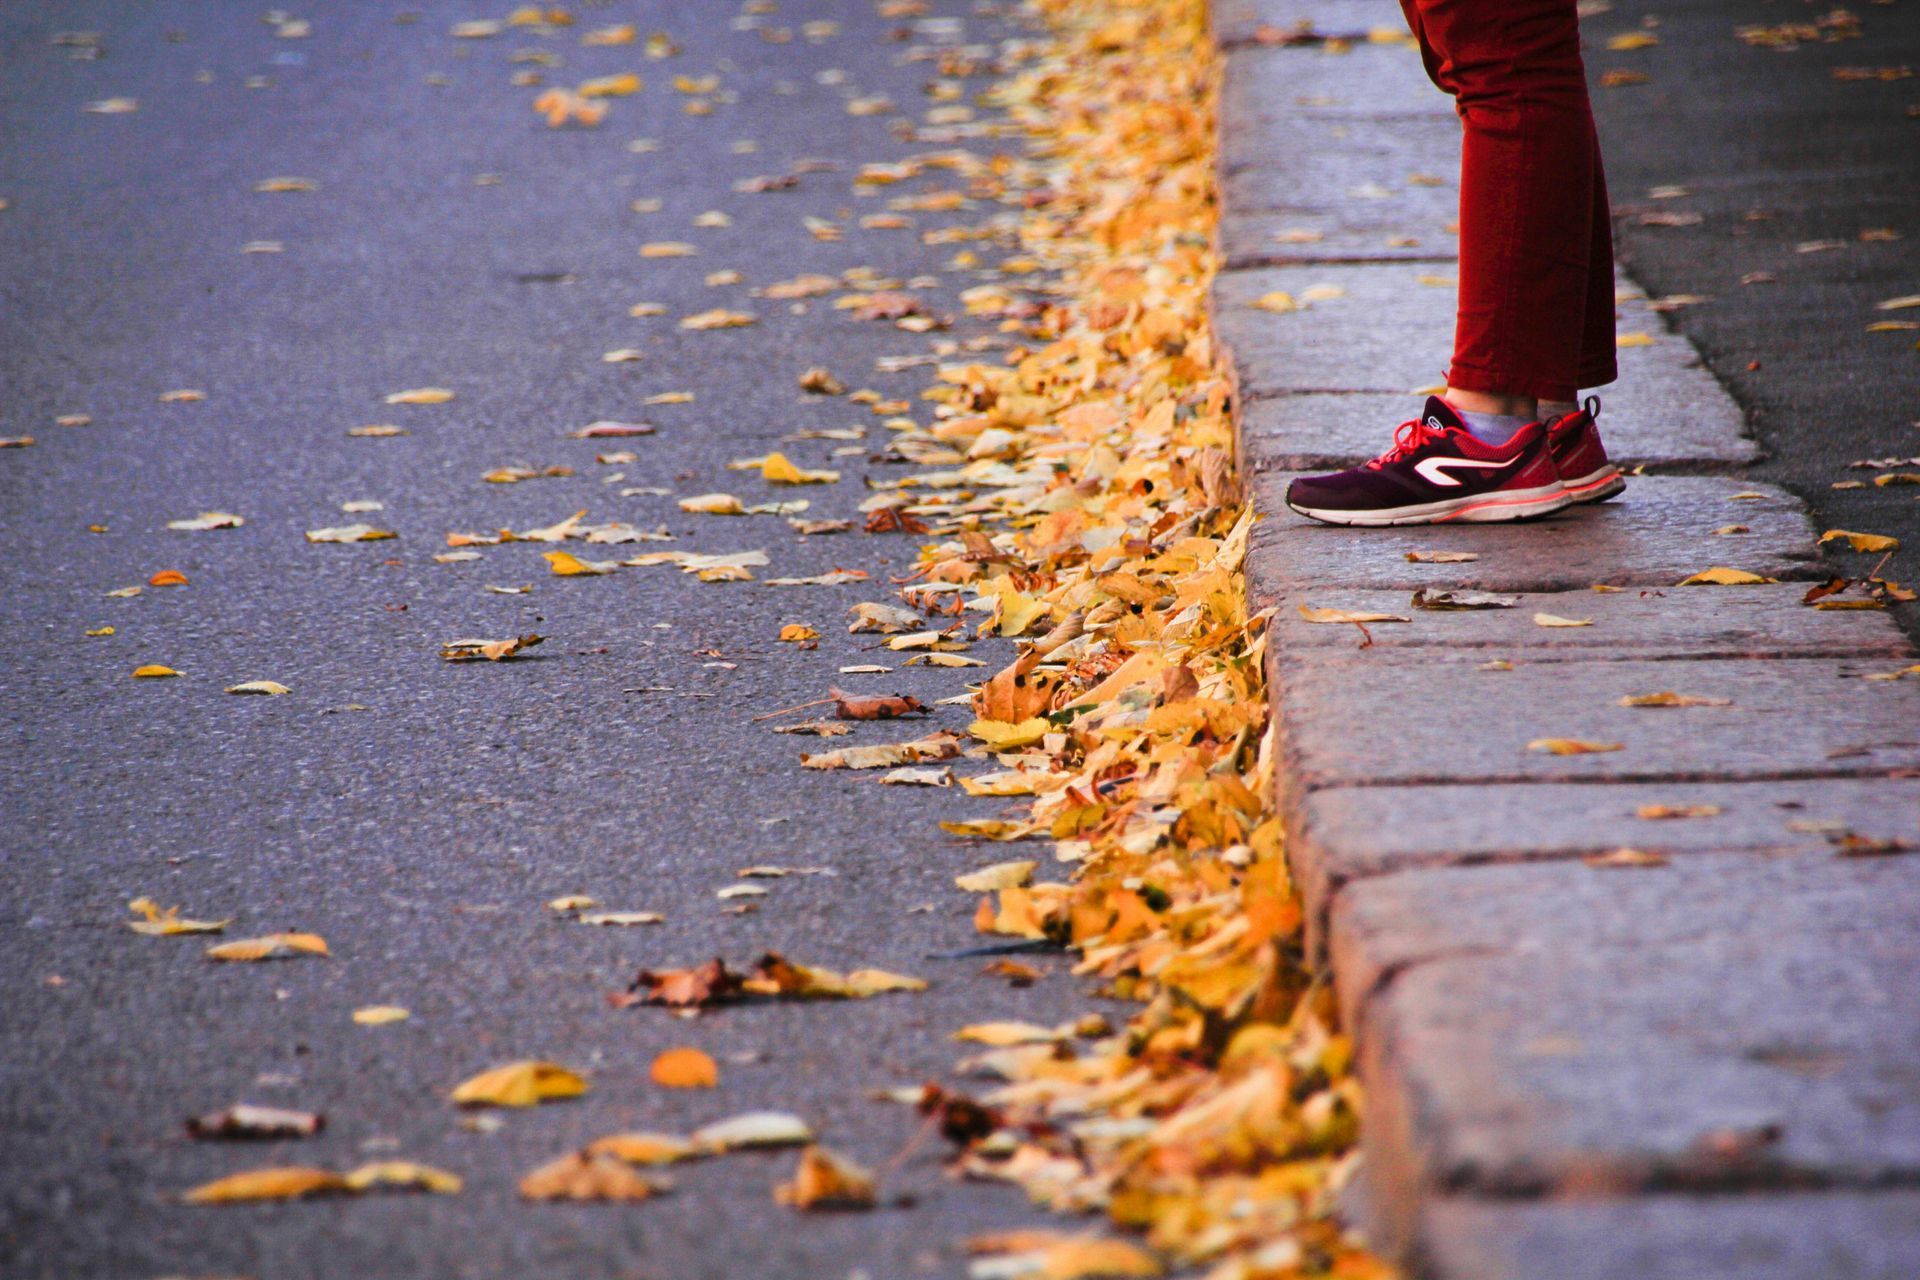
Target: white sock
[[1493, 428]]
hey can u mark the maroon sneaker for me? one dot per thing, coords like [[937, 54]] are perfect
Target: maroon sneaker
[[1437, 472], [1574, 441]]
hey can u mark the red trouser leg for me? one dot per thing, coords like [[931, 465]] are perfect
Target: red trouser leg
[[1536, 247]]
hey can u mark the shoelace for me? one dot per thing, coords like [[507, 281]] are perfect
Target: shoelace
[[1407, 437]]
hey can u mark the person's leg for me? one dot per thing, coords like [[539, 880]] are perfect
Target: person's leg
[[1532, 208]]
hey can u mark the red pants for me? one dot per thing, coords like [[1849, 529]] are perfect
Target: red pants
[[1536, 246]]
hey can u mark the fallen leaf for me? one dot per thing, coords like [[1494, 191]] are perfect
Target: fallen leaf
[[377, 431], [1001, 1035], [623, 355], [168, 578], [379, 1015], [268, 688], [1443, 557], [112, 106], [245, 1120], [164, 922], [1665, 812], [642, 1148], [1312, 614], [719, 318], [798, 633], [607, 430], [1449, 600], [1555, 620], [713, 504], [822, 382], [710, 983], [350, 533], [153, 671], [754, 1129], [1871, 542], [183, 396], [849, 706], [824, 1180], [1001, 875], [618, 919], [405, 1175], [272, 946], [1721, 576], [420, 395], [583, 1176], [208, 520], [1573, 746], [565, 564], [684, 1068], [489, 650], [1626, 858], [917, 778], [290, 1182], [519, 1084], [1671, 699], [1002, 736]]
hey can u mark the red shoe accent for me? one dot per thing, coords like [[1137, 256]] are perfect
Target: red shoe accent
[[1573, 442]]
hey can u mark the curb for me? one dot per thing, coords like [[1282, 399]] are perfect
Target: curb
[[1571, 1069]]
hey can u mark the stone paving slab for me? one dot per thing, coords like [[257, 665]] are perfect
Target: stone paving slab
[[1338, 835], [1751, 622], [1265, 87], [1660, 532], [1835, 1235], [1389, 334], [1235, 21], [1721, 1022], [1367, 719], [1369, 188]]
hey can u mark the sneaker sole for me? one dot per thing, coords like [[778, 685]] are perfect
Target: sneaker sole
[[1596, 486], [1496, 508]]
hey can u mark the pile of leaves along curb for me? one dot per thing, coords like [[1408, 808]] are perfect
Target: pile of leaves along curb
[[1221, 1120]]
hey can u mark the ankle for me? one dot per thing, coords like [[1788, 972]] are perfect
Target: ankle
[[1550, 410], [1501, 403]]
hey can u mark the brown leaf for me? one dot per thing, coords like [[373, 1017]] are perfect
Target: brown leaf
[[489, 650], [849, 706], [710, 983], [824, 1180], [244, 1120], [1627, 858]]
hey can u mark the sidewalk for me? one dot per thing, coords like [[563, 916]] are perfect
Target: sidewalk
[[1704, 1065]]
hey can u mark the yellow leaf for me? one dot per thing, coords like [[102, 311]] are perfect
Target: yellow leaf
[[99, 631], [1573, 746], [684, 1068], [404, 1174], [876, 982], [421, 395], [272, 946], [1312, 614], [1861, 541], [1671, 699], [378, 1015], [1001, 875], [266, 688], [1001, 1035], [642, 1148], [1667, 812], [579, 1175], [159, 922], [1721, 576], [777, 468], [519, 1084], [610, 86], [1633, 340], [1899, 304], [668, 249], [1003, 736], [1555, 620], [713, 504], [153, 671], [718, 318], [567, 565], [1279, 302], [1633, 40], [798, 633], [289, 1182]]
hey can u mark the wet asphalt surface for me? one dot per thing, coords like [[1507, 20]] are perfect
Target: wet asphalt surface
[[1798, 159], [415, 813]]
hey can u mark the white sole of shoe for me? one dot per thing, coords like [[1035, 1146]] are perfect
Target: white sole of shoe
[[1488, 508], [1596, 486]]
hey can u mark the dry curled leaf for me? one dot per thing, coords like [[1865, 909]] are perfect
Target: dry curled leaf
[[1627, 858], [245, 1120], [519, 1084], [263, 688], [420, 395], [402, 1175], [380, 1015], [825, 1180], [1722, 576], [153, 671], [1668, 698], [487, 650], [710, 983], [580, 1175], [165, 922], [208, 520]]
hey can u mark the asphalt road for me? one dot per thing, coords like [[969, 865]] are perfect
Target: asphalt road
[[415, 813], [1799, 158]]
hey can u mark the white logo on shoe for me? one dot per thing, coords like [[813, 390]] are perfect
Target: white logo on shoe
[[1433, 470]]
